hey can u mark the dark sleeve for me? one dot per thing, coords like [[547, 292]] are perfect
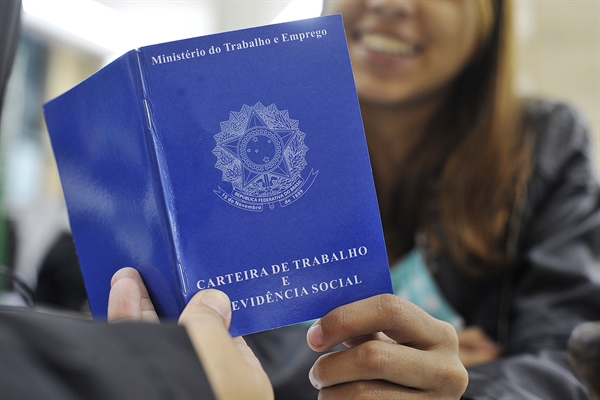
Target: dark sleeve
[[46, 356], [544, 375], [556, 285]]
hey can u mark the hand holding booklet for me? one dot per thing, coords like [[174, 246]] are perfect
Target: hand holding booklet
[[234, 161]]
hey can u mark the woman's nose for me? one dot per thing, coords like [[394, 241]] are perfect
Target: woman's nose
[[391, 9]]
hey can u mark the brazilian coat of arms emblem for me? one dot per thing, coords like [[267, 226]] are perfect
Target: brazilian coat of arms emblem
[[261, 153]]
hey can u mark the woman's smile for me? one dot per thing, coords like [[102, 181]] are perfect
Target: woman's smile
[[387, 45], [406, 51]]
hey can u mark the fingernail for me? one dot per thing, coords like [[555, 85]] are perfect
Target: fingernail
[[218, 301], [315, 334], [313, 380]]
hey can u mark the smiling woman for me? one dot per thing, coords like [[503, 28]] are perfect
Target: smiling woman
[[489, 204], [413, 60], [434, 80]]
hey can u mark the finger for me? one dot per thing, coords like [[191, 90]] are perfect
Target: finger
[[399, 319], [470, 357], [374, 390], [230, 365], [246, 352], [475, 338], [124, 301], [148, 313], [131, 273], [377, 360], [355, 341]]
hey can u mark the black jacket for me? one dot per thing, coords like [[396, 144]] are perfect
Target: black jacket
[[530, 311], [54, 357], [556, 282]]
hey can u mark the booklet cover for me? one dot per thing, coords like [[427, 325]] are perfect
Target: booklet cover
[[234, 161]]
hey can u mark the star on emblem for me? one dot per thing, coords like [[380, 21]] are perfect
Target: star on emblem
[[261, 151]]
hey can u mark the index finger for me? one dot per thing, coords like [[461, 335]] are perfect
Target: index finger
[[398, 318], [129, 298]]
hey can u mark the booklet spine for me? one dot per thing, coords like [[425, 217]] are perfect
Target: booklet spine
[[163, 181]]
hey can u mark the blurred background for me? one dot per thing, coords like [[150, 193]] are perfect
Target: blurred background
[[64, 41]]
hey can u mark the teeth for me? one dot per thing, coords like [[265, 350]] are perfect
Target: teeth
[[388, 45]]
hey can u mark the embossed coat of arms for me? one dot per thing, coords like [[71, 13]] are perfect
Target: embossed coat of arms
[[261, 153]]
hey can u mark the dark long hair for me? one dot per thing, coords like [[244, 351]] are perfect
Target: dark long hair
[[460, 182]]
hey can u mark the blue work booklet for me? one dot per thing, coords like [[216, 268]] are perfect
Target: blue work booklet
[[234, 161]]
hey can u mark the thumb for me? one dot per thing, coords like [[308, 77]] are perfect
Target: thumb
[[230, 365], [208, 304]]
